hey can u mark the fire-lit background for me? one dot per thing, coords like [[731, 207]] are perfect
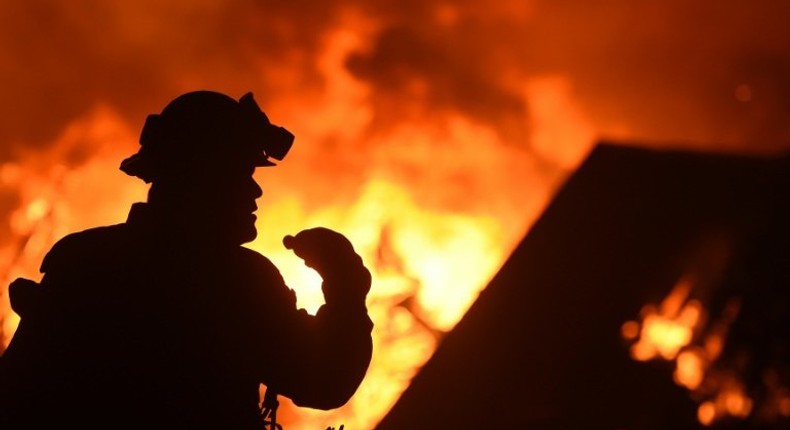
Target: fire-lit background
[[432, 133]]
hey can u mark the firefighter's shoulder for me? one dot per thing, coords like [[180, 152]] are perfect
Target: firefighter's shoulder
[[257, 265], [84, 246]]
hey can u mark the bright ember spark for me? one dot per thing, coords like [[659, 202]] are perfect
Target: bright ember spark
[[670, 327]]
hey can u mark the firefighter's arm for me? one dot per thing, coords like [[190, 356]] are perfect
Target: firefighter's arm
[[326, 355]]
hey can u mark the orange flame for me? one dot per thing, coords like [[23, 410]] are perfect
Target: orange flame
[[431, 206], [668, 332], [669, 328], [729, 401]]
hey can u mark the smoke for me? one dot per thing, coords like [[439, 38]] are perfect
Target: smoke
[[712, 73], [60, 58], [664, 69]]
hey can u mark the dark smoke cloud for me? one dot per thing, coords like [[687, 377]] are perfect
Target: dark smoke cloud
[[667, 70], [443, 56], [671, 69], [57, 59]]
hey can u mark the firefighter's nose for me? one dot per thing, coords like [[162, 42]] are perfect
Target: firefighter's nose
[[256, 189]]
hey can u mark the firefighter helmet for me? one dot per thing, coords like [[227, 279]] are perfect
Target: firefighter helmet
[[201, 129]]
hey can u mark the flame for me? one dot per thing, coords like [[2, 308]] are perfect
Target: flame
[[729, 401], [669, 328], [668, 332], [56, 198], [430, 205], [690, 369]]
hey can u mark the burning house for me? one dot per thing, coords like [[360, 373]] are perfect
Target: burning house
[[543, 346]]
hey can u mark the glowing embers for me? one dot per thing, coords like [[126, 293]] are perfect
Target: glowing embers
[[730, 400], [676, 330], [666, 329]]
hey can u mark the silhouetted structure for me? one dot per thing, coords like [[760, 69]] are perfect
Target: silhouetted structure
[[541, 347], [165, 321]]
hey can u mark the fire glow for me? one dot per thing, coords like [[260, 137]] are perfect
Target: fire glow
[[672, 331], [429, 258], [428, 264], [434, 198]]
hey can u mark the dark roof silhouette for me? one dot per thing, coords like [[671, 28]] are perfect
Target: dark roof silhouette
[[541, 347]]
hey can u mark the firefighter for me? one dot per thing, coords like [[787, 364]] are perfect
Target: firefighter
[[166, 321]]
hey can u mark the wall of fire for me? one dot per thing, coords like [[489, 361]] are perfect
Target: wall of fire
[[445, 126]]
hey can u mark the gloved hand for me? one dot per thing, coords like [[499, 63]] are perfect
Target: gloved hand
[[24, 295], [346, 279]]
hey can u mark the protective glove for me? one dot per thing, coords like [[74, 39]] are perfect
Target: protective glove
[[346, 281], [25, 296]]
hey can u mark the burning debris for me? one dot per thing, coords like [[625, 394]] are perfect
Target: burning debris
[[733, 355]]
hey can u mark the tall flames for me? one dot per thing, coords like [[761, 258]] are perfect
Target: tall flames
[[431, 206], [425, 133]]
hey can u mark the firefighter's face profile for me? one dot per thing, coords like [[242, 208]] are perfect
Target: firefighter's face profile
[[225, 204]]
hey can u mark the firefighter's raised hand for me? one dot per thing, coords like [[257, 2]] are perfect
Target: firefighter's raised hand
[[24, 295], [346, 279]]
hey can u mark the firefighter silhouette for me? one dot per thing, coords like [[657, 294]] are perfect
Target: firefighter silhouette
[[166, 321]]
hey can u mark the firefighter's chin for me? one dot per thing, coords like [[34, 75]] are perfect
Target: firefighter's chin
[[238, 231], [249, 231], [248, 237]]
